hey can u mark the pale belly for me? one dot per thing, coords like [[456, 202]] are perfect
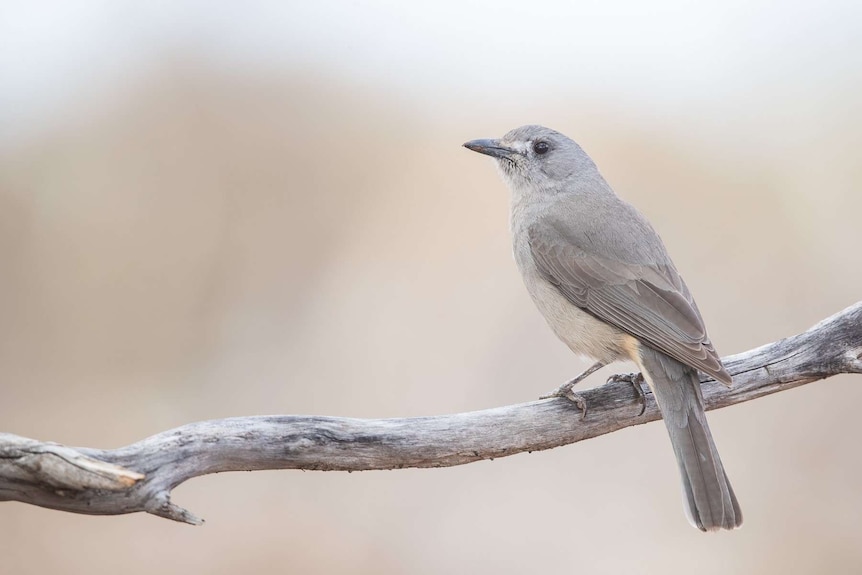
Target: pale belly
[[581, 332]]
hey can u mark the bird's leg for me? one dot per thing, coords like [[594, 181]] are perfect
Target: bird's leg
[[565, 390], [636, 379]]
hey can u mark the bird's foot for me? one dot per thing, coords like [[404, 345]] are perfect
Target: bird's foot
[[636, 380], [566, 389], [565, 392], [579, 400]]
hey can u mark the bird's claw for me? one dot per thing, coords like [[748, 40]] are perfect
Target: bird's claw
[[579, 401], [566, 389], [561, 391], [636, 380], [565, 392]]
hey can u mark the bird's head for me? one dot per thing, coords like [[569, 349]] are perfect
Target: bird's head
[[535, 157]]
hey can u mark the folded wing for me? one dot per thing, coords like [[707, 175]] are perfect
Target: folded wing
[[649, 301]]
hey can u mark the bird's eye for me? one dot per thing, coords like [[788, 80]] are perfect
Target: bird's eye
[[541, 147]]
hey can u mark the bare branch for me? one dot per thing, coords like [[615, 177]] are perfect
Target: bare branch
[[140, 477]]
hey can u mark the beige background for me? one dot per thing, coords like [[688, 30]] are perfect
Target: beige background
[[244, 214]]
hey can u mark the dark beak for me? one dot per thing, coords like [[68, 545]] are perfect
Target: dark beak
[[491, 148]]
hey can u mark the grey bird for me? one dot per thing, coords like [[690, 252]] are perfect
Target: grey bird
[[602, 278]]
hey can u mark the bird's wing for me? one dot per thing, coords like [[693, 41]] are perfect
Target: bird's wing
[[648, 301]]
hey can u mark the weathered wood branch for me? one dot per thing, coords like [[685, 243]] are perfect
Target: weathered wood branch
[[140, 477]]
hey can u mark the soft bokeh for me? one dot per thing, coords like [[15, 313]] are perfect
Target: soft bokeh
[[209, 210]]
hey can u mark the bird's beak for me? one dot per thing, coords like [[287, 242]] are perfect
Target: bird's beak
[[492, 148]]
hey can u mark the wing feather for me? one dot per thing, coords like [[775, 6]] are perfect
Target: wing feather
[[648, 301]]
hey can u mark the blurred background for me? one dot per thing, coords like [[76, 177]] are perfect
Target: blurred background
[[213, 209]]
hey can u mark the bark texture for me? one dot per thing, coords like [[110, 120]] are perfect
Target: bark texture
[[140, 477]]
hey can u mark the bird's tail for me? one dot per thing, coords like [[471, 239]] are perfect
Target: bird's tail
[[710, 503]]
